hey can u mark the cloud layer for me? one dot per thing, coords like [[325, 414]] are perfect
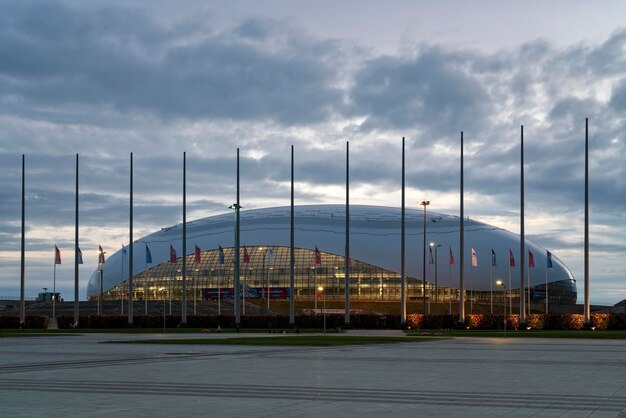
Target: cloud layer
[[105, 81]]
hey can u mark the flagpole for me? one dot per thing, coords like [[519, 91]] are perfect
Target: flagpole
[[54, 287], [450, 286], [184, 307], [510, 301], [491, 287], [23, 249], [292, 255], [587, 301], [522, 304], [546, 289], [76, 301], [403, 247], [461, 249], [121, 292], [130, 249], [347, 249], [236, 277]]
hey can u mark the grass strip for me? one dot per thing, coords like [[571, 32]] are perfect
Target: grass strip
[[576, 334], [312, 340]]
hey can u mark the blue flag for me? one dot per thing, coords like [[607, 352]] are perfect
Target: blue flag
[[80, 256], [430, 257], [493, 258], [221, 254], [148, 255], [548, 259]]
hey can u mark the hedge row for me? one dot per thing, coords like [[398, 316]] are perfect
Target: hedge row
[[31, 321], [613, 321]]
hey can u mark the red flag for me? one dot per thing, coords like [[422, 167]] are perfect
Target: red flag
[[511, 259], [57, 255], [474, 258], [451, 258], [197, 255], [172, 254], [318, 256], [531, 259], [100, 255], [246, 257]]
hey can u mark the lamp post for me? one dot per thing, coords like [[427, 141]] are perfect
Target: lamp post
[[163, 290], [435, 246], [501, 283], [321, 290], [237, 208], [424, 203]]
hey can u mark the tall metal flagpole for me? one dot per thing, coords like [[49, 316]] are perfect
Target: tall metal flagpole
[[403, 248], [292, 254], [76, 301], [587, 302], [347, 251], [22, 251], [522, 255], [462, 249], [183, 319], [130, 248], [54, 287], [236, 271]]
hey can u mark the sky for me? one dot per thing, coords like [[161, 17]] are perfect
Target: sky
[[156, 78]]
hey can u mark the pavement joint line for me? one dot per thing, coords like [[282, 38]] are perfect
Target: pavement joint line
[[306, 395]]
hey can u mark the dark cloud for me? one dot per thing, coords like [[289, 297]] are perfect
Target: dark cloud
[[56, 57]]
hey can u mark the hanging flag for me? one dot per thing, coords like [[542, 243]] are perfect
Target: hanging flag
[[511, 259], [318, 256], [148, 255], [80, 256], [220, 254], [548, 259], [57, 255], [451, 257], [124, 250], [172, 254], [270, 255], [246, 256], [197, 256], [531, 259], [100, 255], [430, 256], [493, 258], [474, 258]]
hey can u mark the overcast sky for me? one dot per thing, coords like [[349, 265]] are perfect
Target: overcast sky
[[104, 78]]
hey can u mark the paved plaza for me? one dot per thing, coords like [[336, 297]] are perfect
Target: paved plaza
[[79, 376]]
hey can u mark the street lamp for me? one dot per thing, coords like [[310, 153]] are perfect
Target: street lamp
[[321, 290], [435, 246], [163, 290], [424, 203], [237, 208], [501, 283]]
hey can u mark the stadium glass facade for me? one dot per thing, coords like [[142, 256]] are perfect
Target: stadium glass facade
[[266, 271]]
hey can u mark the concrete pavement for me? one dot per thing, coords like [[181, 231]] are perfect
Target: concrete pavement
[[78, 375]]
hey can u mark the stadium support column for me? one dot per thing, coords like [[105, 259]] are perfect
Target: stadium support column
[[292, 255], [76, 252], [183, 318], [347, 251], [587, 323], [130, 249], [522, 240], [462, 247], [23, 249], [403, 248]]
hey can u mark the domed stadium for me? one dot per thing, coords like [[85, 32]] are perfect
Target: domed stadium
[[375, 242]]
